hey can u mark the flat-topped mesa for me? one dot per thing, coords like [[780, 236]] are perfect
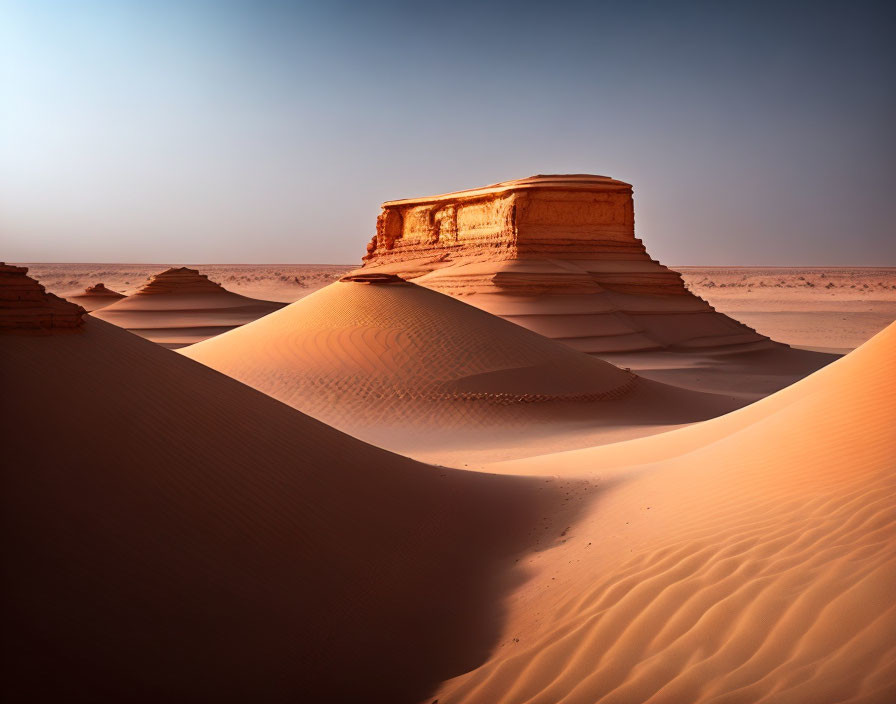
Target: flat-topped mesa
[[578, 217], [26, 307], [99, 289], [556, 254], [182, 281]]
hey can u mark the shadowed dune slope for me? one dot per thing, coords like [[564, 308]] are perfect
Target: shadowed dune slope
[[367, 357], [180, 306], [751, 558], [173, 535]]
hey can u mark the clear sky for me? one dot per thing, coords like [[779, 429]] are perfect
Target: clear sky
[[268, 132]]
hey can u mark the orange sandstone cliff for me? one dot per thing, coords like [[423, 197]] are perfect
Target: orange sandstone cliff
[[26, 307], [556, 254]]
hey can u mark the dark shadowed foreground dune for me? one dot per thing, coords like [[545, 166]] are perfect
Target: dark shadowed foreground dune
[[173, 535]]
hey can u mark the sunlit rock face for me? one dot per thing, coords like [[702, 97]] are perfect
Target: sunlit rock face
[[556, 254]]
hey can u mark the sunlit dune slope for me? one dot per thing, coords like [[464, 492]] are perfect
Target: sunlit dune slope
[[173, 535], [751, 558], [367, 357], [180, 306]]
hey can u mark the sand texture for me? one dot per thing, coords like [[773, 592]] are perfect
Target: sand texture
[[180, 306], [557, 255], [750, 558], [380, 360]]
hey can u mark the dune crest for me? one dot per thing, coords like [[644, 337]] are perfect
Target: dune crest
[[556, 254], [748, 559], [26, 307], [180, 306]]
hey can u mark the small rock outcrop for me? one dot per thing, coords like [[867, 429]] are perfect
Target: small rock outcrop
[[180, 280], [99, 289], [26, 307], [377, 279]]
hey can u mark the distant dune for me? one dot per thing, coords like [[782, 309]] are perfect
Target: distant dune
[[381, 359], [178, 307], [749, 558]]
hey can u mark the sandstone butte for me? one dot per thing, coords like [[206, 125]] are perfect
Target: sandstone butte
[[27, 308], [558, 255]]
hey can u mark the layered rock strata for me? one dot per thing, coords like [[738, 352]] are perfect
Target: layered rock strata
[[180, 280], [96, 297], [100, 290], [181, 306], [26, 307], [555, 254]]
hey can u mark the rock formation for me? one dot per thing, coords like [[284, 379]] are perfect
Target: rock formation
[[26, 307], [99, 289], [180, 306], [96, 297], [182, 281], [557, 255]]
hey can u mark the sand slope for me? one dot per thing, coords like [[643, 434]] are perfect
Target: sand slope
[[173, 535], [378, 360], [180, 306], [751, 558]]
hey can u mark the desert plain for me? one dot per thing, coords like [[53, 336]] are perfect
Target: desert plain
[[506, 456]]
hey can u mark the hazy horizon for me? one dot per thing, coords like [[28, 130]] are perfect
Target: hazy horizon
[[269, 132]]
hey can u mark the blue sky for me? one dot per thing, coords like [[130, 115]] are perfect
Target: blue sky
[[256, 132]]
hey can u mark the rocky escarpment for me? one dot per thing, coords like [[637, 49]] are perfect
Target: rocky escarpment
[[180, 280], [556, 254], [26, 307]]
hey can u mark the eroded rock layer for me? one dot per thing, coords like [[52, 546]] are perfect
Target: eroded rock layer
[[182, 281], [26, 307], [100, 289], [557, 255], [180, 306]]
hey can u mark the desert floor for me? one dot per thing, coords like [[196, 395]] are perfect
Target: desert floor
[[824, 308], [831, 309]]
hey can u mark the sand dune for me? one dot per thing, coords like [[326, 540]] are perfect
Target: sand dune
[[750, 558], [172, 535], [178, 307], [380, 360]]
